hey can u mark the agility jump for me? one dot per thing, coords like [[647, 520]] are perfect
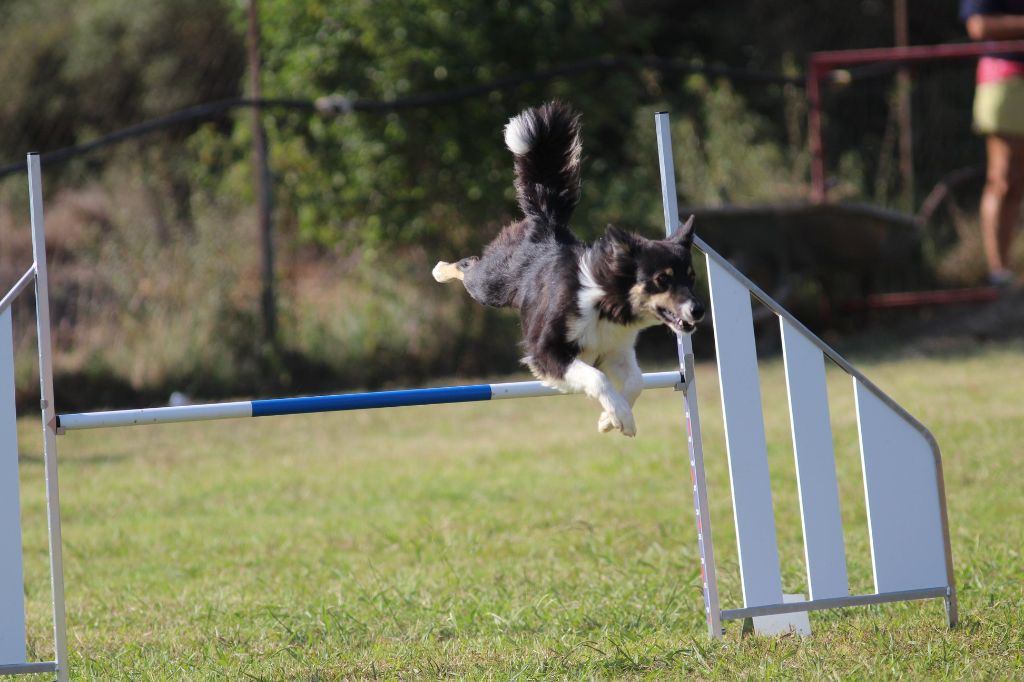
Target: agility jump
[[902, 468]]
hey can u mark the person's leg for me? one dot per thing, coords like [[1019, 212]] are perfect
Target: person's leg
[[1000, 201]]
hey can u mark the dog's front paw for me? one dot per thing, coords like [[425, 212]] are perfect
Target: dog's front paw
[[628, 424], [621, 418]]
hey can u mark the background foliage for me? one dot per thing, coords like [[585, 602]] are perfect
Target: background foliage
[[164, 226]]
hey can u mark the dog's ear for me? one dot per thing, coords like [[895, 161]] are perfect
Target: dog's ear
[[684, 233], [619, 240]]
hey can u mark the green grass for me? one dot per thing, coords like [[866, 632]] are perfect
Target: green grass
[[505, 540]]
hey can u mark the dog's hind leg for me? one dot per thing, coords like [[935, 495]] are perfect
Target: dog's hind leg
[[446, 272]]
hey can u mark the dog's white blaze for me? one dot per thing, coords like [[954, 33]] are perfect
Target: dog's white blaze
[[606, 339], [581, 328], [594, 336], [519, 133]]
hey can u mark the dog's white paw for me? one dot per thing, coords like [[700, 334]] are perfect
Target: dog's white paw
[[629, 425], [606, 423], [439, 271], [619, 417]]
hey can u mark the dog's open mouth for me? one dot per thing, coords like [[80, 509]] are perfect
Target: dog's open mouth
[[675, 323]]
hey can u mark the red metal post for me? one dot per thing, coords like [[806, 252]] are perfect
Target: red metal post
[[819, 192], [261, 160], [903, 109]]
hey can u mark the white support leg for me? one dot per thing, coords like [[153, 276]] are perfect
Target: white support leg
[[709, 578], [60, 643]]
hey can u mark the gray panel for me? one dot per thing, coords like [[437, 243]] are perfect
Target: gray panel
[[12, 582], [745, 439], [902, 492], [824, 550]]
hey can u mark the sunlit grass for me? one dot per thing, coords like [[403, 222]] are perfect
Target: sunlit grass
[[502, 540]]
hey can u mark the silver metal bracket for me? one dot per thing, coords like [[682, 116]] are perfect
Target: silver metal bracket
[[687, 371]]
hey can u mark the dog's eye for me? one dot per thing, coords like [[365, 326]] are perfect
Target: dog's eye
[[662, 280]]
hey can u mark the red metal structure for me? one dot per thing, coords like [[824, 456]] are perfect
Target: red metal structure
[[920, 299], [823, 65]]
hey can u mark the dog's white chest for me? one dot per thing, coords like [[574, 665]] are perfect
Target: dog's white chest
[[597, 337]]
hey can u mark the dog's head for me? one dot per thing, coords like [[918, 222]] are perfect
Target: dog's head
[[656, 277]]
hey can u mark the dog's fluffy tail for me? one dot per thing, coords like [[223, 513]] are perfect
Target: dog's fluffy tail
[[546, 144]]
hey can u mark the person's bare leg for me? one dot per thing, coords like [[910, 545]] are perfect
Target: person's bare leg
[[1000, 200]]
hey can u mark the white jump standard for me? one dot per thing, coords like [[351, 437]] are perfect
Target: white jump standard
[[12, 620], [902, 468]]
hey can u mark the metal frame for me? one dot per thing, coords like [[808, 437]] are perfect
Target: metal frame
[[53, 424], [948, 591], [836, 602], [821, 64], [60, 641], [952, 613], [37, 273], [23, 283], [695, 446], [29, 668]]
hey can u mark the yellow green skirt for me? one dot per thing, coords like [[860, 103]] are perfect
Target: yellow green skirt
[[999, 107]]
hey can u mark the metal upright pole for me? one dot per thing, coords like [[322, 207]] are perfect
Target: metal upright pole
[[815, 137], [904, 115], [684, 345], [264, 186], [60, 641]]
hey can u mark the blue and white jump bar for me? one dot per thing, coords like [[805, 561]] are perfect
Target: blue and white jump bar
[[330, 403]]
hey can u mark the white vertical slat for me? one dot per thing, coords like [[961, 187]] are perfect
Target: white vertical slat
[[745, 439], [824, 550], [901, 488], [12, 582]]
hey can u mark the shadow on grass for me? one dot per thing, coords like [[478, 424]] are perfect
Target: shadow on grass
[[87, 460]]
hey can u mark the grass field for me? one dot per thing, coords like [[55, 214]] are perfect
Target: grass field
[[506, 540]]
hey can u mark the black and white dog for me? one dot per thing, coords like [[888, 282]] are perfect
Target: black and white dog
[[582, 305]]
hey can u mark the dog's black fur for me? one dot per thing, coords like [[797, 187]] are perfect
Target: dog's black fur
[[578, 302]]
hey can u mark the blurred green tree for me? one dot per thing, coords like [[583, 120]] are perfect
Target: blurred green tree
[[437, 175], [419, 176], [74, 70]]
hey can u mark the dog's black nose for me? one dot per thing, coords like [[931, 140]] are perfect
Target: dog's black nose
[[697, 310]]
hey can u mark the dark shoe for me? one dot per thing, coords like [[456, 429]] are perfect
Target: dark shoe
[[1001, 279]]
